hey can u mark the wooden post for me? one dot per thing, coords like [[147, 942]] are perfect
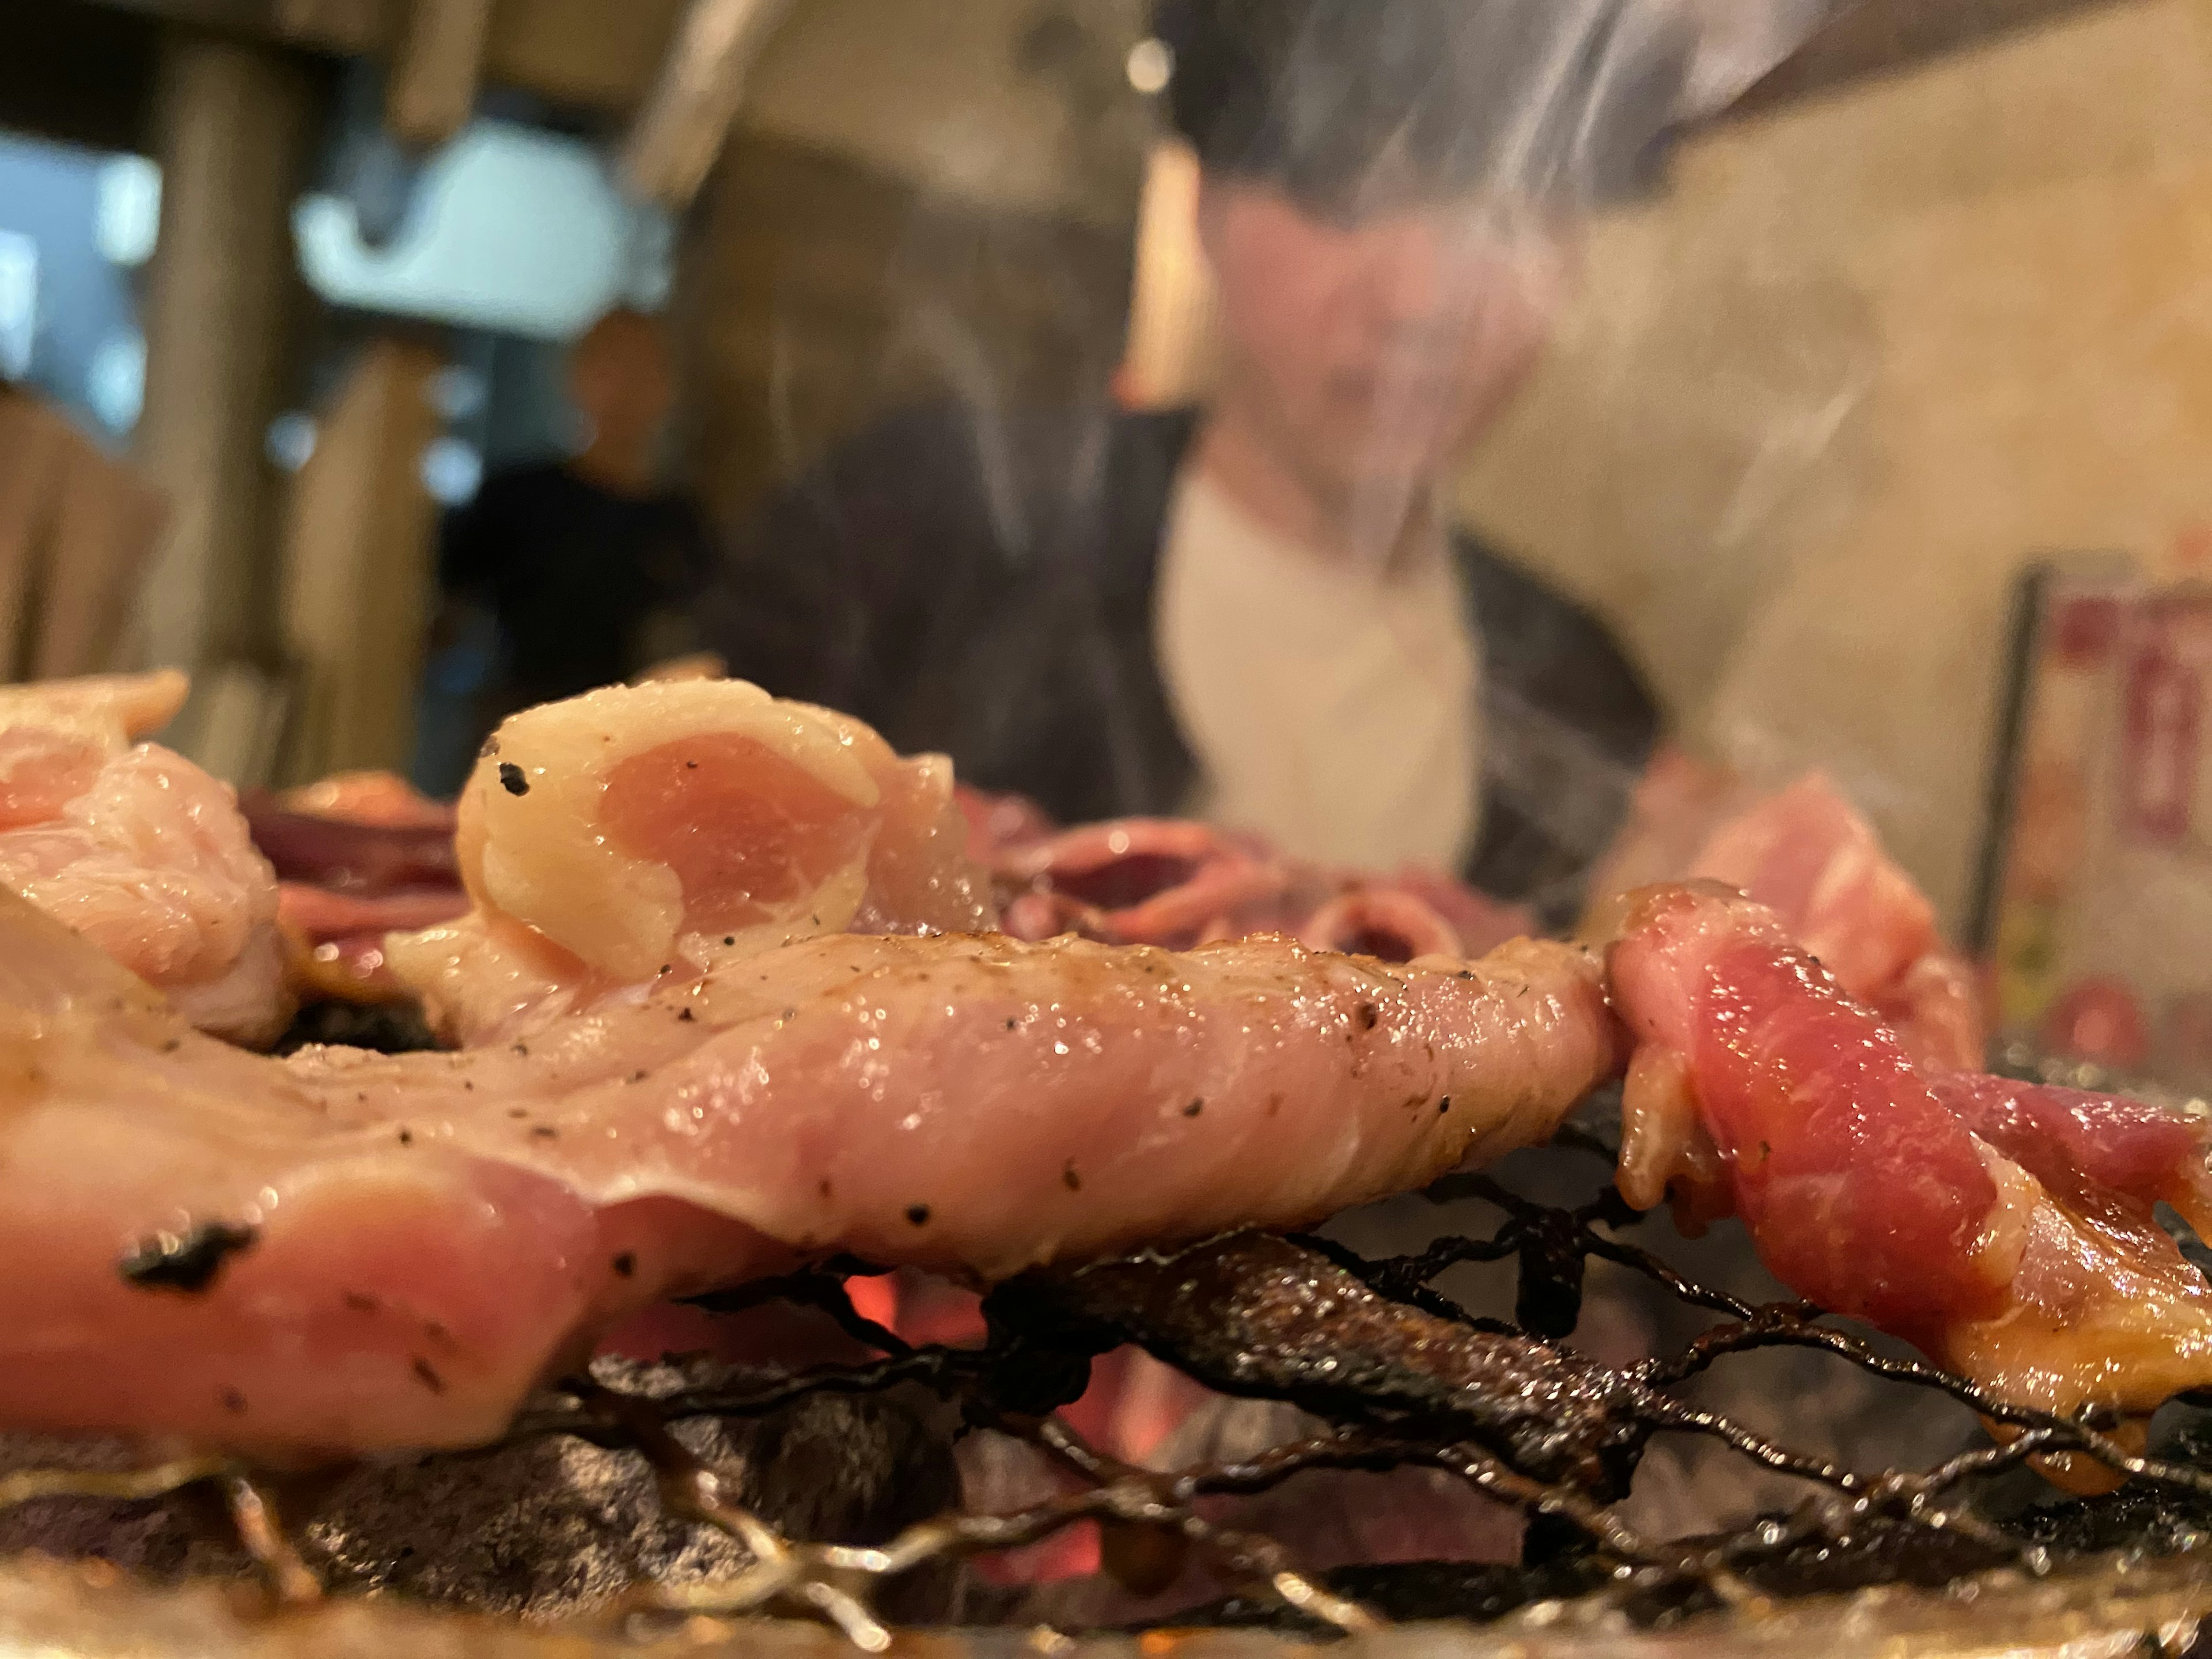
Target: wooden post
[[432, 88], [232, 124], [360, 575]]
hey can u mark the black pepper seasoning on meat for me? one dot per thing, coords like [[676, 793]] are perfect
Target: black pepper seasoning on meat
[[189, 1262], [511, 779], [918, 1214], [626, 1263], [427, 1374], [1194, 1108]]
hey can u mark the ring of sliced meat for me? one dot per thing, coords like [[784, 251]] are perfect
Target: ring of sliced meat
[[673, 827]]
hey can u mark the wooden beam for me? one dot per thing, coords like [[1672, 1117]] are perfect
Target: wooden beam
[[359, 563], [234, 123], [1876, 36], [431, 88], [686, 120], [594, 54]]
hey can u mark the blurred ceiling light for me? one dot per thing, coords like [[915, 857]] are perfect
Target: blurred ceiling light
[[19, 303], [127, 210], [1151, 66], [115, 381], [289, 443], [457, 393], [512, 230], [453, 470]]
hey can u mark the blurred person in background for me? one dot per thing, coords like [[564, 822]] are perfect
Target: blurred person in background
[[582, 562], [1256, 612]]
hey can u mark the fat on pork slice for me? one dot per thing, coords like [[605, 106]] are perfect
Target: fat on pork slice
[[139, 850], [345, 1253], [644, 833], [2006, 1229]]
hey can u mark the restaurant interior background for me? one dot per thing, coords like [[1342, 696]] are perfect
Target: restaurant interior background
[[1932, 302]]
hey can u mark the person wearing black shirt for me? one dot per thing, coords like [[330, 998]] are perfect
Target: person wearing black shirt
[[574, 558], [1257, 612]]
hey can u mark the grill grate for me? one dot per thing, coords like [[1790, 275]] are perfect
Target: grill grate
[[1403, 1376]]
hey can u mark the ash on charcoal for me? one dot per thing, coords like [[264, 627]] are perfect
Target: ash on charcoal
[[186, 1535], [386, 1028], [552, 1528]]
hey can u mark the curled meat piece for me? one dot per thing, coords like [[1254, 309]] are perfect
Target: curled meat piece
[[1393, 927], [139, 850], [1159, 881], [345, 1253], [1148, 881], [2006, 1230], [998, 825], [365, 859], [665, 829], [358, 856], [380, 800]]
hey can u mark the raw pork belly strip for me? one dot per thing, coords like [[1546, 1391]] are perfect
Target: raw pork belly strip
[[139, 850], [2008, 1230], [347, 1253]]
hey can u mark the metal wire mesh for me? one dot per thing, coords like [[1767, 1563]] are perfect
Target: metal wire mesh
[[1402, 1376]]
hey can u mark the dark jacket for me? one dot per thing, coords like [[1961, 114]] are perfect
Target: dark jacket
[[984, 588]]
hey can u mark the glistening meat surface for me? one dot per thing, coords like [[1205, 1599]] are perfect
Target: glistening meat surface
[[670, 829], [137, 849], [345, 1253], [2007, 1231]]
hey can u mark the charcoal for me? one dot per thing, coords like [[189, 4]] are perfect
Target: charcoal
[[550, 1528], [386, 1028]]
